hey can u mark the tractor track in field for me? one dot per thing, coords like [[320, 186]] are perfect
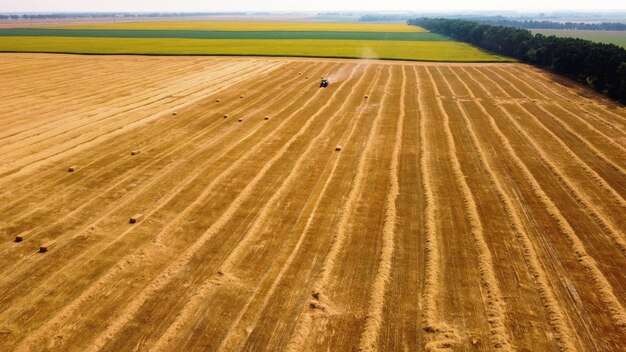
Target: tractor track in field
[[496, 308], [602, 285], [557, 318]]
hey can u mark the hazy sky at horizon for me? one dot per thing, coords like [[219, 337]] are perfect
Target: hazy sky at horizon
[[301, 5]]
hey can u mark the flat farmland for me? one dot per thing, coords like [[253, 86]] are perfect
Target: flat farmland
[[221, 34], [249, 25], [406, 50], [286, 39], [408, 206]]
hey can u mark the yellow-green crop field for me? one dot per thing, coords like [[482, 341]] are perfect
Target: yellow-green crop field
[[401, 50], [251, 26], [339, 40]]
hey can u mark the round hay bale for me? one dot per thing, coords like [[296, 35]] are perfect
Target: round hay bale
[[241, 97], [174, 113], [338, 148], [365, 97], [240, 120], [217, 100], [226, 116], [266, 118]]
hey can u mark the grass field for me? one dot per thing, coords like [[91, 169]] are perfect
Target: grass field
[[405, 50], [609, 37], [252, 26], [470, 208], [207, 34]]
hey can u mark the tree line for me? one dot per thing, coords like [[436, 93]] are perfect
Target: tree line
[[597, 65], [378, 17], [110, 15], [531, 24]]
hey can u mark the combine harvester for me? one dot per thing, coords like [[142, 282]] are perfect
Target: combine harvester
[[324, 83]]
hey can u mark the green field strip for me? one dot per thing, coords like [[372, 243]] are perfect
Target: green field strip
[[371, 49], [200, 34], [267, 26], [608, 37]]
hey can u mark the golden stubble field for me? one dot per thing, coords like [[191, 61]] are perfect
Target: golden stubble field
[[472, 207]]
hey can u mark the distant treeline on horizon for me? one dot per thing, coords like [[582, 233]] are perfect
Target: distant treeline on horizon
[[45, 16], [377, 18], [532, 24], [504, 21]]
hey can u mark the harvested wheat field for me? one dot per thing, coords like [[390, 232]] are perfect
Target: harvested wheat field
[[460, 207]]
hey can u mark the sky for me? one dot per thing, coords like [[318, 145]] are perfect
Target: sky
[[304, 5]]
